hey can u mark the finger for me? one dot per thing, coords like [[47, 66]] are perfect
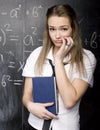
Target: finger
[[46, 117], [71, 40], [68, 44], [68, 41], [51, 115], [64, 42], [48, 104]]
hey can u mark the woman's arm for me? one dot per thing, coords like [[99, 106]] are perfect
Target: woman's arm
[[70, 92], [27, 93], [37, 109]]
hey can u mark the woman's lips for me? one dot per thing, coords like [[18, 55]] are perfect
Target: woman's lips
[[58, 41]]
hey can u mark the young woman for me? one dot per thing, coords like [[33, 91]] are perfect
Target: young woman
[[74, 68]]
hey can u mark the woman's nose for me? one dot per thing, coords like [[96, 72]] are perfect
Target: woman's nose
[[57, 34]]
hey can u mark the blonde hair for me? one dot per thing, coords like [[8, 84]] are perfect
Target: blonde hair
[[76, 52]]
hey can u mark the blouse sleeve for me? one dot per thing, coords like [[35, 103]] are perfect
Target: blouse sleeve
[[28, 70], [89, 61]]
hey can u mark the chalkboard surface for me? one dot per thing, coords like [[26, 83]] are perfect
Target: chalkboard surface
[[21, 28]]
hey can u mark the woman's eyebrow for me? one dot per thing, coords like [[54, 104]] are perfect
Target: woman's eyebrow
[[59, 26]]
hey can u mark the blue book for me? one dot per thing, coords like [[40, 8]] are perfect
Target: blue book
[[44, 91]]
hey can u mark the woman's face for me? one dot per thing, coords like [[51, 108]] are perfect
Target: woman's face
[[59, 27]]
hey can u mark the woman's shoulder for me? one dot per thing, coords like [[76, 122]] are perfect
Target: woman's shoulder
[[88, 54], [35, 52]]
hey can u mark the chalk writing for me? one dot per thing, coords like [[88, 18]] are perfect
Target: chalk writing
[[1, 58], [3, 37], [8, 27], [11, 64], [14, 37], [28, 40], [6, 78], [21, 66], [34, 30], [18, 82], [35, 11], [3, 13], [11, 53], [92, 41], [14, 12]]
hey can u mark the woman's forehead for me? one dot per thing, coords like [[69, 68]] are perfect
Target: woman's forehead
[[58, 21]]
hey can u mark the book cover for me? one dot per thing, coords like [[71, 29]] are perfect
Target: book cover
[[44, 91]]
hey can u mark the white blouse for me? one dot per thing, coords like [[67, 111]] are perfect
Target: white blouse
[[68, 118]]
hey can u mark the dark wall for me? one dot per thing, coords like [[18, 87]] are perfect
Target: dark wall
[[21, 26]]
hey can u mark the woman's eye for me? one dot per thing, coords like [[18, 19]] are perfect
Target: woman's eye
[[64, 29], [51, 29]]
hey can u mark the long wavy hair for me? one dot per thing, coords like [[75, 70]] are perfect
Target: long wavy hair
[[77, 51]]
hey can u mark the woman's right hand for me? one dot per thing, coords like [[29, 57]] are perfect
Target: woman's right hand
[[39, 110], [64, 49]]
